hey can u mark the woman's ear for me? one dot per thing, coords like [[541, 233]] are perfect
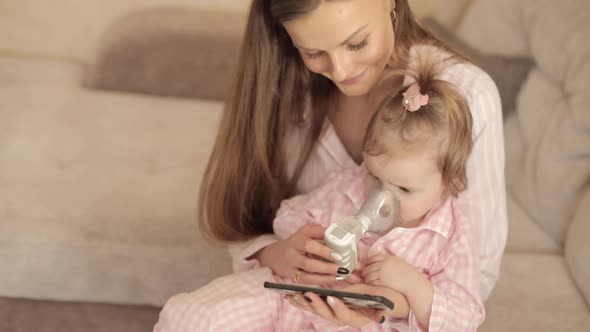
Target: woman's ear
[[391, 5]]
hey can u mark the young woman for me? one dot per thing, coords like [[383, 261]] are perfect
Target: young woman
[[309, 80]]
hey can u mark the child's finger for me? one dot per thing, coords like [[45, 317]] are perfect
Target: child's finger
[[377, 258], [373, 278], [371, 268]]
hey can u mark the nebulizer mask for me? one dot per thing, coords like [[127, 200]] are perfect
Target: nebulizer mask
[[377, 215]]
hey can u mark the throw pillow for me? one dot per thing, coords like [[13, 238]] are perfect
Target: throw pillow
[[169, 52], [509, 73]]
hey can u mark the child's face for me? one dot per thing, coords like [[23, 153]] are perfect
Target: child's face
[[414, 177]]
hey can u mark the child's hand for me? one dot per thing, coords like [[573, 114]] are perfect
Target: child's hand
[[390, 271]]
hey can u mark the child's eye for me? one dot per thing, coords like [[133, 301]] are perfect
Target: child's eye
[[404, 190], [358, 46]]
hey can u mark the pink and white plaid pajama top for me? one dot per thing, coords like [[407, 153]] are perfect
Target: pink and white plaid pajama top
[[442, 248]]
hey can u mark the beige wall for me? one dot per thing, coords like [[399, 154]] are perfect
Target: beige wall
[[448, 11], [71, 28]]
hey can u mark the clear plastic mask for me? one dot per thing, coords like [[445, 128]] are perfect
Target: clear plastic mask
[[381, 209]]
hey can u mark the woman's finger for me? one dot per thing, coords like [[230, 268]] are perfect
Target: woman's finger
[[377, 316], [317, 279], [311, 238], [313, 231], [317, 248], [321, 308], [344, 314], [299, 302], [315, 265], [335, 311]]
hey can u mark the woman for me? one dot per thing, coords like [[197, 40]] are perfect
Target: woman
[[308, 82]]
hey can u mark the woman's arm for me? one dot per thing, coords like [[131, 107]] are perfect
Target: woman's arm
[[269, 250], [245, 254], [299, 226], [484, 202]]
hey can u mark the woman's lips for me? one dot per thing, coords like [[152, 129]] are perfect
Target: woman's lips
[[355, 79]]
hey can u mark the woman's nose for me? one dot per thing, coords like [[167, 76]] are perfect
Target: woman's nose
[[340, 67]]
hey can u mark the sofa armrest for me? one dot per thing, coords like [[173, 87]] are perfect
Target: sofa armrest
[[577, 246]]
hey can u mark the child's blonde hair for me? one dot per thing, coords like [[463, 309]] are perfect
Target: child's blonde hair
[[444, 123]]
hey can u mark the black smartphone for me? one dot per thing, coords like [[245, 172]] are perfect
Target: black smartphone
[[355, 300]]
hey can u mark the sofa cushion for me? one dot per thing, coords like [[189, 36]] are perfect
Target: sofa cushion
[[524, 234], [99, 189], [508, 72], [169, 52], [577, 249], [552, 109], [535, 293]]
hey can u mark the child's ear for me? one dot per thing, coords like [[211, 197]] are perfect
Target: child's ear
[[452, 188]]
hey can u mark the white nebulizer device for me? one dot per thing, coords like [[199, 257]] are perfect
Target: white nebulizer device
[[376, 215]]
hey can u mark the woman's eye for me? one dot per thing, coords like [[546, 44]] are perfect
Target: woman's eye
[[358, 46], [313, 55]]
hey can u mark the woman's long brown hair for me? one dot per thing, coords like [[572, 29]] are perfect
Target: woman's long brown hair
[[245, 179]]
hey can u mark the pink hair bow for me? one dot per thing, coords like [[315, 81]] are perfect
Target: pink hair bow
[[413, 100]]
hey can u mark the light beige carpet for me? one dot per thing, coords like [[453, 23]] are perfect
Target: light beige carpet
[[18, 315]]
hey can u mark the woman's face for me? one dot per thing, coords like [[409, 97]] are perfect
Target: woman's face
[[349, 42]]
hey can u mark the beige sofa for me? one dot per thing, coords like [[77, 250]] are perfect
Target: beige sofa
[[545, 278], [99, 187]]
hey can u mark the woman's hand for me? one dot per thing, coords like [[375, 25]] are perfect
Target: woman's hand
[[304, 251], [335, 311]]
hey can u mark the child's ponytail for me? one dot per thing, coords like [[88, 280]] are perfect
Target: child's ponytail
[[429, 110]]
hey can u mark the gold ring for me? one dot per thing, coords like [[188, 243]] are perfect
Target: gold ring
[[297, 276]]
